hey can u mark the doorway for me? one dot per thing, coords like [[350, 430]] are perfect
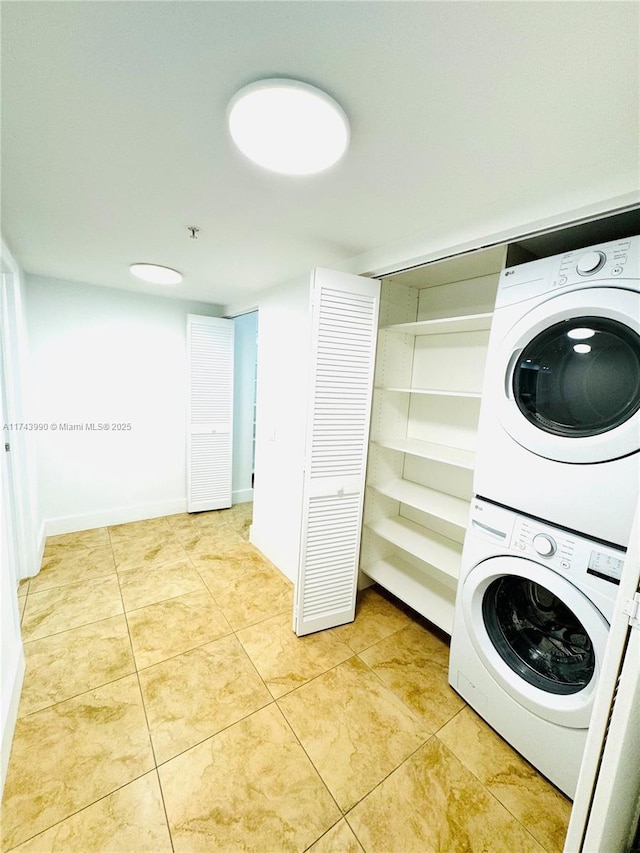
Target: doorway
[[244, 405]]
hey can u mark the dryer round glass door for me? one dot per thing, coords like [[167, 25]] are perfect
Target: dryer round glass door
[[565, 384], [537, 635], [579, 377]]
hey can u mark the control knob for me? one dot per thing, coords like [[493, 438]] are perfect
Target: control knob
[[591, 262], [544, 545]]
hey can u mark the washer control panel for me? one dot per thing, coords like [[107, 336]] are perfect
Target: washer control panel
[[566, 552], [555, 547], [585, 560]]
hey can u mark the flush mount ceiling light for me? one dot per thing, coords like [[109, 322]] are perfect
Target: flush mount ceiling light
[[156, 274], [287, 126]]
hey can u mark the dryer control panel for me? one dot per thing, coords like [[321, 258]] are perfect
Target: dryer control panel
[[617, 260], [614, 264]]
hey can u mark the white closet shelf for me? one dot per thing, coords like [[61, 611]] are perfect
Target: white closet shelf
[[446, 325], [433, 600], [456, 456], [441, 553], [433, 391], [444, 506]]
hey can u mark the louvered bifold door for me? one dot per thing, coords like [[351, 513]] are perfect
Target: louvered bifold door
[[344, 325], [210, 415]]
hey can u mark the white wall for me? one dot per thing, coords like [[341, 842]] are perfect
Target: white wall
[[106, 356], [283, 360], [244, 395]]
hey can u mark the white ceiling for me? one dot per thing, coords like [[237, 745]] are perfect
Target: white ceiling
[[114, 138]]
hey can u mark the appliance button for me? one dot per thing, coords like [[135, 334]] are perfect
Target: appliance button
[[565, 564], [562, 279], [590, 263], [544, 545], [616, 271]]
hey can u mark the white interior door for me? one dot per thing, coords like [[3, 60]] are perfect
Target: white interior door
[[344, 325], [210, 413]]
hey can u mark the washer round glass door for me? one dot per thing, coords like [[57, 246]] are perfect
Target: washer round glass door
[[567, 377], [537, 634]]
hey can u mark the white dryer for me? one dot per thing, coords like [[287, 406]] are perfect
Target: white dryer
[[531, 623], [559, 430]]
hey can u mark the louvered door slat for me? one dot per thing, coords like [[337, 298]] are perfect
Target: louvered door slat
[[344, 331], [210, 415]]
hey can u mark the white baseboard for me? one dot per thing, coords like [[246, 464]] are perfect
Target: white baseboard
[[117, 515], [42, 539], [242, 496], [12, 687]]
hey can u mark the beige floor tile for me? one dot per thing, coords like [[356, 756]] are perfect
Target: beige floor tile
[[433, 803], [286, 661], [211, 543], [75, 661], [353, 728], [414, 664], [73, 565], [149, 527], [219, 571], [197, 521], [22, 603], [131, 820], [179, 519], [98, 537], [171, 627], [256, 594], [376, 618], [251, 787], [70, 755], [195, 695], [239, 518], [81, 773], [540, 807], [147, 553], [339, 839], [147, 585], [61, 608]]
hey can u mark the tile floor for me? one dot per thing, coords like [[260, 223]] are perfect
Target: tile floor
[[167, 705]]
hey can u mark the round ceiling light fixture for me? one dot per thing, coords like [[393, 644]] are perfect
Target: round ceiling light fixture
[[288, 127], [156, 274]]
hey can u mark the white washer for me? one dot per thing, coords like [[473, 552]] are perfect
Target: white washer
[[531, 623], [559, 430]]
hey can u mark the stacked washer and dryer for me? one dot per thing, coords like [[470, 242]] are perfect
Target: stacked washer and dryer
[[556, 484]]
